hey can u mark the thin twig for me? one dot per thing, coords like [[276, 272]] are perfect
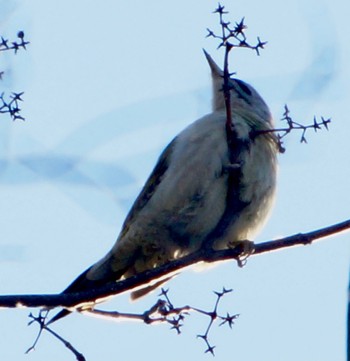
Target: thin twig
[[163, 311], [10, 103], [41, 321], [5, 45], [292, 125]]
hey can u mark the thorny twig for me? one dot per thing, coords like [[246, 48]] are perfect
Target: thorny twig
[[235, 37], [11, 105], [14, 45], [40, 319], [231, 37], [317, 125], [293, 125], [228, 319], [163, 311]]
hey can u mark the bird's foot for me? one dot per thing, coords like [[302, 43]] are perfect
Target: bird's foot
[[247, 248]]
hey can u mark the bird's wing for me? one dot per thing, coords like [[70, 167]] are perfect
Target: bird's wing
[[150, 187]]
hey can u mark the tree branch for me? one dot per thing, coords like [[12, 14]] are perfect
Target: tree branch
[[73, 300]]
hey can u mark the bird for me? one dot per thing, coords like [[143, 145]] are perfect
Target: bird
[[200, 189]]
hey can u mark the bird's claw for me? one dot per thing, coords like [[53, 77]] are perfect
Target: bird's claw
[[248, 249]]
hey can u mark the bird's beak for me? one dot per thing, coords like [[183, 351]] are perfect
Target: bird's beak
[[213, 66]]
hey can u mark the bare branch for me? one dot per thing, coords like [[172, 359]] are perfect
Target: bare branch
[[293, 125], [73, 300], [231, 37], [235, 37], [41, 321], [14, 45], [163, 311], [10, 103]]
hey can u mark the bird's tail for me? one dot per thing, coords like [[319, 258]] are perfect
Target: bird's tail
[[143, 291], [82, 283], [58, 316]]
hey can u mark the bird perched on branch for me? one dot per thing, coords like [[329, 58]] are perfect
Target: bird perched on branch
[[209, 187]]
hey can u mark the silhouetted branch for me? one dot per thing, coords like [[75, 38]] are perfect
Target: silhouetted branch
[[235, 37], [213, 315], [230, 38], [293, 125], [41, 321], [73, 300], [10, 104], [163, 311], [6, 45]]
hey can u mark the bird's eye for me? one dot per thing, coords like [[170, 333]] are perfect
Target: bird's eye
[[243, 87]]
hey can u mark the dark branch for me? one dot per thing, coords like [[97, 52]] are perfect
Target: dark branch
[[293, 125], [114, 288], [10, 103], [14, 45], [41, 321], [235, 37]]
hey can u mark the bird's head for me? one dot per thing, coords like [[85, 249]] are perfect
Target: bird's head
[[244, 98]]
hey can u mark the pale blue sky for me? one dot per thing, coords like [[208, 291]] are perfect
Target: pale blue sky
[[107, 85]]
